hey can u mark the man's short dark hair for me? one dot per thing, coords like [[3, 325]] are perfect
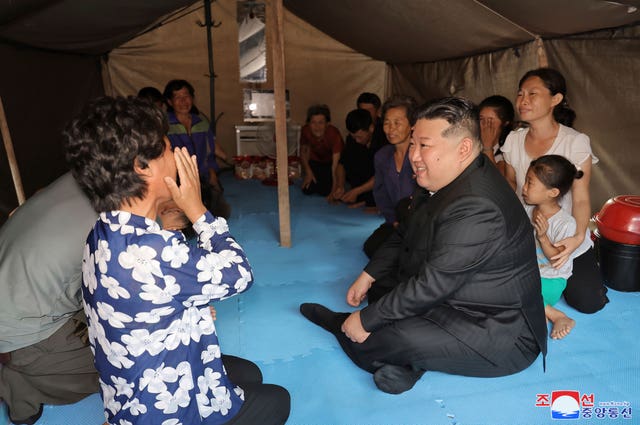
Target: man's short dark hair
[[370, 98], [319, 109], [462, 115], [103, 143], [358, 119]]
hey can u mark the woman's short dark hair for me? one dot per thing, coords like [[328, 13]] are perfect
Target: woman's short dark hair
[[555, 172], [462, 115], [175, 85], [104, 141], [504, 110], [408, 103], [319, 109], [555, 82]]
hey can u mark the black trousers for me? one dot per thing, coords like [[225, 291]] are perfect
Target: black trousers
[[264, 404], [585, 291], [324, 179], [420, 344]]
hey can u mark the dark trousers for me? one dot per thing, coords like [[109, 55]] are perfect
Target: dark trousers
[[264, 404], [324, 179], [57, 370], [420, 344], [585, 291]]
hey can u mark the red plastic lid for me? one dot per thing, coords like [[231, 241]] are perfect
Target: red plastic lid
[[619, 219]]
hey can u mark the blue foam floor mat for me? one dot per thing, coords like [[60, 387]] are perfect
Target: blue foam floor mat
[[600, 357]]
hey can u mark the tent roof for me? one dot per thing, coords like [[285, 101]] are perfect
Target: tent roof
[[394, 31], [405, 31], [80, 26]]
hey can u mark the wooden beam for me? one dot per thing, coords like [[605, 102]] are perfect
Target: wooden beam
[[275, 33], [11, 156]]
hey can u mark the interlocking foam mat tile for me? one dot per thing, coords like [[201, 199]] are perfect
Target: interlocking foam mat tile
[[599, 360]]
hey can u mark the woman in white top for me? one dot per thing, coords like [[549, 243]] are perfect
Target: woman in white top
[[543, 105]]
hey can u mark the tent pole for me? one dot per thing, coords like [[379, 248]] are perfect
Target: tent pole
[[275, 32], [212, 76], [11, 156]]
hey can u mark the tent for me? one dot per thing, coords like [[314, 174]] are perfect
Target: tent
[[58, 54]]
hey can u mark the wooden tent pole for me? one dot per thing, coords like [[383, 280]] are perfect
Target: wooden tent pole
[[11, 156], [275, 31]]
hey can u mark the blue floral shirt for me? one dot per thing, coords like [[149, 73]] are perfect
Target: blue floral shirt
[[146, 295]]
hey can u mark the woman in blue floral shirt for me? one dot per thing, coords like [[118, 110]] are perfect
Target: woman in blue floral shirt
[[146, 292]]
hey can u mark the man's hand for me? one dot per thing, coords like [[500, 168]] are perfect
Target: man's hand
[[213, 312], [187, 196], [358, 290], [350, 197], [353, 329]]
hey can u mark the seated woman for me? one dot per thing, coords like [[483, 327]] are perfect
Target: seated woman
[[145, 291], [496, 122], [542, 104], [320, 148], [393, 180], [189, 128]]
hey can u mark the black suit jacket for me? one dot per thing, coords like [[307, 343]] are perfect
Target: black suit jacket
[[466, 261]]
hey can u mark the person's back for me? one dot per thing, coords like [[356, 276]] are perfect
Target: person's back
[[41, 249], [41, 316]]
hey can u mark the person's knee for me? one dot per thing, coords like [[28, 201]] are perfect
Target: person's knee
[[586, 301]]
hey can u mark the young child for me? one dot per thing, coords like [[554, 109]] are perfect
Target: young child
[[548, 178]]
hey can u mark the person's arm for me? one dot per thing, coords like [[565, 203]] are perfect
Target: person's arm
[[581, 211], [502, 167], [309, 177], [469, 232], [541, 227], [489, 134], [352, 195], [335, 158], [380, 194], [337, 194], [510, 175]]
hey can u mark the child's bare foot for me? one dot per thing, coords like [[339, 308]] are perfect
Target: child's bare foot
[[562, 324], [562, 327]]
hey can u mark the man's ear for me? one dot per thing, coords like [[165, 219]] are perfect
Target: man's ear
[[141, 168], [465, 147]]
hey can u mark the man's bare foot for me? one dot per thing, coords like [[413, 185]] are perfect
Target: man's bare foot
[[562, 324]]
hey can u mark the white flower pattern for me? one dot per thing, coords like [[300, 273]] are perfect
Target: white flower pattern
[[146, 295]]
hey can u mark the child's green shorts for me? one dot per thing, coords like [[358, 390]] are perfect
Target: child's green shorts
[[552, 288]]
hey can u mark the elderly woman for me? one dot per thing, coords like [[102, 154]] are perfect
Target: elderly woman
[[146, 292]]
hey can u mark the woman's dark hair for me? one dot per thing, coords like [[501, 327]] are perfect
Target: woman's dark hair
[[319, 109], [504, 110], [555, 82], [175, 85], [555, 172], [104, 142], [400, 101]]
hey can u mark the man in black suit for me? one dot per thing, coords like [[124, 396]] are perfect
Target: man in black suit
[[457, 288]]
